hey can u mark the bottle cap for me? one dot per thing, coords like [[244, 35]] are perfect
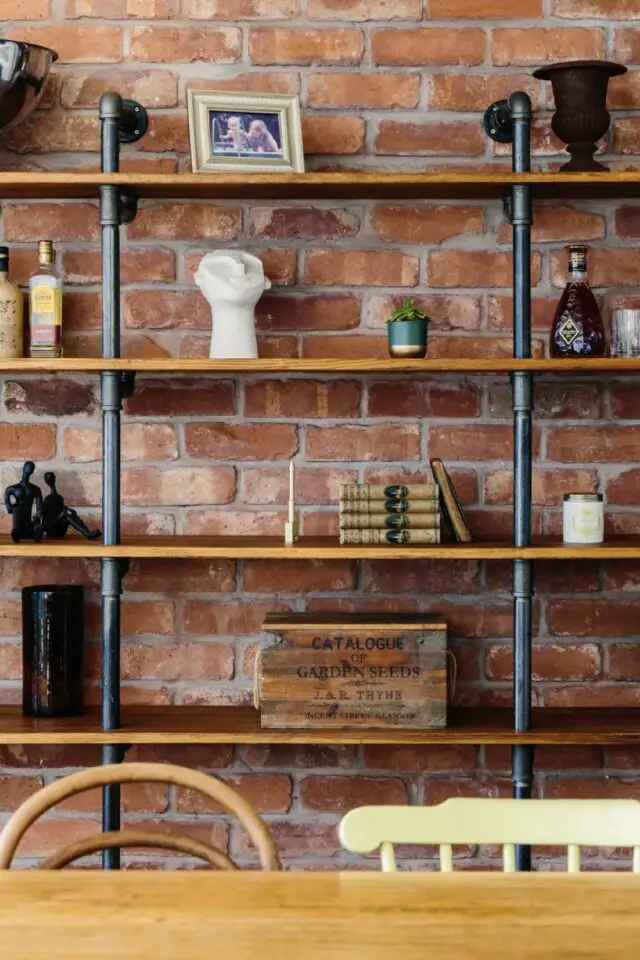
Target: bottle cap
[[45, 251], [4, 252], [578, 257], [583, 498]]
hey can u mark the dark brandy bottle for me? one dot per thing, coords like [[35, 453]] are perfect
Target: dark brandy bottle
[[578, 330]]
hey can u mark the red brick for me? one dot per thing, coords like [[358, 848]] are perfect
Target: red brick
[[345, 346], [138, 617], [75, 44], [160, 309], [308, 47], [422, 399], [592, 618], [21, 441], [622, 575], [56, 221], [154, 88], [181, 661], [623, 662], [606, 268], [140, 441], [537, 45], [621, 758], [305, 839], [339, 794], [485, 9], [375, 91], [136, 797], [628, 221], [339, 311], [554, 400], [271, 576], [418, 759], [123, 9], [488, 442], [186, 221], [150, 486], [427, 45], [551, 661], [424, 576], [268, 82], [624, 93], [477, 268], [297, 756], [302, 399], [500, 313], [51, 834], [425, 224], [302, 223], [549, 486], [457, 91], [559, 223], [85, 266], [232, 618], [265, 792], [54, 133], [437, 790], [313, 486], [434, 138], [626, 136], [332, 135], [445, 312], [185, 44], [602, 9], [24, 9], [384, 441], [362, 268], [613, 695], [166, 131], [240, 10], [625, 404], [235, 523], [182, 398], [591, 788], [181, 576], [10, 653], [354, 10], [626, 45], [241, 441], [55, 398], [625, 488], [593, 445]]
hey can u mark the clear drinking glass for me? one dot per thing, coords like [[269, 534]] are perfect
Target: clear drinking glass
[[625, 333]]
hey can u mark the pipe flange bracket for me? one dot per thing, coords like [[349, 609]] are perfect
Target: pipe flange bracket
[[497, 122], [133, 121]]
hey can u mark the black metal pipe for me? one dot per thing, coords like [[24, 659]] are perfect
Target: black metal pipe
[[522, 386], [110, 115]]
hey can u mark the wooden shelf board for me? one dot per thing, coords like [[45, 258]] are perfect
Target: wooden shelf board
[[176, 724], [316, 548], [347, 185], [320, 366]]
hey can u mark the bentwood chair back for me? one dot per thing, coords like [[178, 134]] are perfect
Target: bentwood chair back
[[569, 823], [29, 811]]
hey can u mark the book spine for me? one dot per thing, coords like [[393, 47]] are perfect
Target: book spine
[[381, 537], [390, 521], [389, 506], [372, 491]]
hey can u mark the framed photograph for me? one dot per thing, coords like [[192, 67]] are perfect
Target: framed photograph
[[244, 133]]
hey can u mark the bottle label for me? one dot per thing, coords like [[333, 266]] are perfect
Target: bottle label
[[44, 301], [46, 315], [568, 331]]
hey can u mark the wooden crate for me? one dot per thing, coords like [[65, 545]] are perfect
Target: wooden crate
[[352, 671]]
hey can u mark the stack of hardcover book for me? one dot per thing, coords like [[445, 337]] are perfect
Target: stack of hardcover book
[[372, 514]]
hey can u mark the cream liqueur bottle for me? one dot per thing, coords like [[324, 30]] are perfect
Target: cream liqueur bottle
[[10, 312], [45, 305]]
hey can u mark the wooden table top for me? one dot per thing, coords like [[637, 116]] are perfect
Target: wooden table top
[[87, 915]]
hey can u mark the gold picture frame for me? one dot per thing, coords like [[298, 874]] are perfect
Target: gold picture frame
[[244, 132]]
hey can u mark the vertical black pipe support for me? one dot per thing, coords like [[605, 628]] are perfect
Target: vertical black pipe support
[[522, 386], [111, 107]]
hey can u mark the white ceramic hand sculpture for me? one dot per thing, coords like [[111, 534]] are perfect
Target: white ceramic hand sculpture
[[232, 281]]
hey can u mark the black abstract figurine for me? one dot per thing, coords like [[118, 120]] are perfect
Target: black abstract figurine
[[19, 500], [57, 517]]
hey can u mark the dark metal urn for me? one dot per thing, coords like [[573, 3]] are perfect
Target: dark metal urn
[[24, 68], [581, 117]]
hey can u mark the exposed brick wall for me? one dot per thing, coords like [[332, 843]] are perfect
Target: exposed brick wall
[[384, 85]]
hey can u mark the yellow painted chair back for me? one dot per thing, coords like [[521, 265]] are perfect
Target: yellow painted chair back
[[568, 823]]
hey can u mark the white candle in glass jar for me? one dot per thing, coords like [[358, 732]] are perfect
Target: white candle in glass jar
[[583, 518]]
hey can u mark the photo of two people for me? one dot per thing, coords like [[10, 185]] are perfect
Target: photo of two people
[[245, 134]]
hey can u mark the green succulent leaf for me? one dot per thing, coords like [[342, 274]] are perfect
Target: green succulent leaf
[[408, 311]]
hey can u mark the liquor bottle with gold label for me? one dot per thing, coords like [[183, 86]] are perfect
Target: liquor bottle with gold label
[[45, 305], [10, 312], [578, 330]]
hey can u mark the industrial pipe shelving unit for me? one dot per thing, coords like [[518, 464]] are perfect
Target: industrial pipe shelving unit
[[523, 728]]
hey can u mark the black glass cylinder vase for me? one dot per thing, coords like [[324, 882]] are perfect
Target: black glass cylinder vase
[[52, 646]]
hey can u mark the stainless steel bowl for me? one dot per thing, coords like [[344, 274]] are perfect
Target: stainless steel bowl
[[24, 68]]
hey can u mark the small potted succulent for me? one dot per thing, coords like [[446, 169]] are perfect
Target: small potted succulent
[[407, 331]]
